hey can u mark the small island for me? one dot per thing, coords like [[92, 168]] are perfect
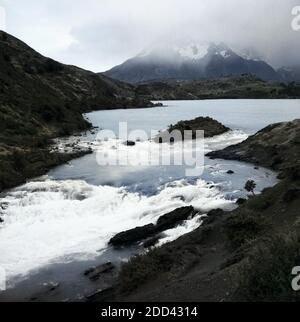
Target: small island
[[210, 127]]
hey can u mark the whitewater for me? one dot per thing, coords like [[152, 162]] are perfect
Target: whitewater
[[71, 214]]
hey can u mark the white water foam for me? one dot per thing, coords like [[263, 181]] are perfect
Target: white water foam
[[60, 221], [109, 146], [148, 153], [187, 227], [47, 222]]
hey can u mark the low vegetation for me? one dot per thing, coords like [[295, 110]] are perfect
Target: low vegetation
[[41, 99], [145, 267], [244, 227], [243, 87], [266, 275]]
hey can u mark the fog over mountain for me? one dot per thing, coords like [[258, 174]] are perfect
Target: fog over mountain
[[98, 35], [192, 61]]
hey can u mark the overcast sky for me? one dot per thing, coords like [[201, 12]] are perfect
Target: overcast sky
[[98, 34]]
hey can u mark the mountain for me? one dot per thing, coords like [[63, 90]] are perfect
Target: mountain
[[192, 62], [290, 74], [41, 99]]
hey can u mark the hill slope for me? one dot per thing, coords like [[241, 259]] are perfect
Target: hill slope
[[41, 99], [290, 74], [38, 94]]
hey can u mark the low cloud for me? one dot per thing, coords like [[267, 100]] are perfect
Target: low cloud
[[98, 34]]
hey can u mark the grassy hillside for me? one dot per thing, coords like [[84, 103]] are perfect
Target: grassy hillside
[[243, 87], [41, 99]]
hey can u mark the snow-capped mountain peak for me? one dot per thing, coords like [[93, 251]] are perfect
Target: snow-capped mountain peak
[[191, 61], [194, 52]]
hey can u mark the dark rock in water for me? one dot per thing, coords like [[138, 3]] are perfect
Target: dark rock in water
[[133, 235], [94, 273], [241, 201], [3, 205], [129, 143], [158, 104], [230, 172], [210, 127], [54, 286], [171, 219], [101, 295], [47, 290], [1, 220], [165, 222]]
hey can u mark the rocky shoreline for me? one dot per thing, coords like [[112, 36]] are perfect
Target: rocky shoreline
[[275, 147], [189, 130], [220, 261]]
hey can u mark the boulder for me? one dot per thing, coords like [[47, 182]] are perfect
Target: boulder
[[129, 143], [230, 172], [158, 104], [171, 219], [94, 273], [165, 222], [4, 205], [132, 236], [102, 295]]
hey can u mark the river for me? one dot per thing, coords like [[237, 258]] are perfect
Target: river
[[57, 226]]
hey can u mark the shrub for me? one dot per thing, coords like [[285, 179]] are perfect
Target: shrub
[[250, 186], [19, 160], [142, 268], [260, 203], [244, 227], [266, 277]]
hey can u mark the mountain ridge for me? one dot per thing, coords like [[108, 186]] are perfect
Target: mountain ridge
[[192, 62]]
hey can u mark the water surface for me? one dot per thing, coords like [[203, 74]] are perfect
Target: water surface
[[55, 227]]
